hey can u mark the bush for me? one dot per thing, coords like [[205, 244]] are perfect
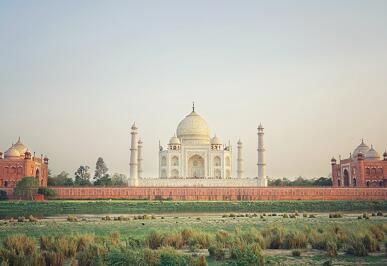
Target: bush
[[170, 257], [355, 246], [285, 215], [275, 237], [379, 213], [312, 216], [3, 195], [47, 192], [72, 218], [335, 215], [247, 255], [32, 219], [154, 240], [296, 253], [19, 250], [331, 248], [217, 252], [295, 240]]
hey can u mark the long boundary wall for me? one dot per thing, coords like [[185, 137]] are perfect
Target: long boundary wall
[[221, 193]]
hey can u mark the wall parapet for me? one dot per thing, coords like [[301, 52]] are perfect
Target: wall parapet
[[221, 193]]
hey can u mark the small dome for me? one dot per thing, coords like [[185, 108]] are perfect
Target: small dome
[[385, 154], [12, 153], [216, 141], [372, 154], [362, 148], [20, 147], [174, 140]]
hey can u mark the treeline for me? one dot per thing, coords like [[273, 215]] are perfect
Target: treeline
[[301, 182], [83, 177]]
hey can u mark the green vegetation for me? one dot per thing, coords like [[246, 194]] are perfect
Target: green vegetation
[[47, 192], [61, 207], [236, 241], [27, 187], [3, 195], [301, 182]]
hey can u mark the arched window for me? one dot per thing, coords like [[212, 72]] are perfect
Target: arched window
[[354, 182], [339, 183], [373, 171], [217, 161], [163, 173], [175, 173], [175, 161], [367, 171], [37, 173], [228, 161], [380, 183], [368, 183]]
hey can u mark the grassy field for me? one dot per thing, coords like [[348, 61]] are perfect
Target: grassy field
[[61, 207], [210, 224]]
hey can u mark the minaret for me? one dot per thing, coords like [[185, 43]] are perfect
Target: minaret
[[240, 161], [139, 159], [262, 181], [133, 179]]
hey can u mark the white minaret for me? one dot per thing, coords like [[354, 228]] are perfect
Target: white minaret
[[240, 161], [262, 181], [133, 179], [139, 159]]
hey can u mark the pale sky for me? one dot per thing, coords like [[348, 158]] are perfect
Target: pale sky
[[74, 75]]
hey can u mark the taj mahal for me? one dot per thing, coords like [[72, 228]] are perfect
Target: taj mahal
[[193, 158]]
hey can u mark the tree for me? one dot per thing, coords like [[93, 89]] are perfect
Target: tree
[[47, 192], [82, 176], [62, 179], [119, 180], [101, 176], [27, 187]]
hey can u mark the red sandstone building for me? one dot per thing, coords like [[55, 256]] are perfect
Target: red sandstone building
[[363, 168], [18, 162]]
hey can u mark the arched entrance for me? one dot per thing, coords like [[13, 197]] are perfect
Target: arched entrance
[[196, 166], [346, 178]]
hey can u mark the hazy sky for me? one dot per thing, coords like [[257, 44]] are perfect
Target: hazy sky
[[74, 75]]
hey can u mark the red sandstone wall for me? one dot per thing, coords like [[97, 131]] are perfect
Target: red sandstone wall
[[224, 193]]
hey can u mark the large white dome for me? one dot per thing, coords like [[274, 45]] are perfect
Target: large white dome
[[193, 128]]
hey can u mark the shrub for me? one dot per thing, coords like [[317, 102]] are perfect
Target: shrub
[[47, 192], [296, 253], [91, 255], [335, 215], [170, 257], [20, 219], [3, 195], [331, 248], [285, 215], [295, 240], [355, 246], [32, 219], [217, 252], [72, 218], [19, 250], [305, 215], [154, 240], [370, 243], [247, 255], [312, 216], [377, 231], [379, 213], [274, 236], [174, 240]]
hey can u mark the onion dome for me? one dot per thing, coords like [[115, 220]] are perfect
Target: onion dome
[[216, 141], [174, 140], [385, 154], [372, 154], [193, 128], [20, 147], [239, 142], [362, 148], [333, 160], [12, 153]]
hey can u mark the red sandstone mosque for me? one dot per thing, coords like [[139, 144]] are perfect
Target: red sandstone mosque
[[18, 162], [363, 168]]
